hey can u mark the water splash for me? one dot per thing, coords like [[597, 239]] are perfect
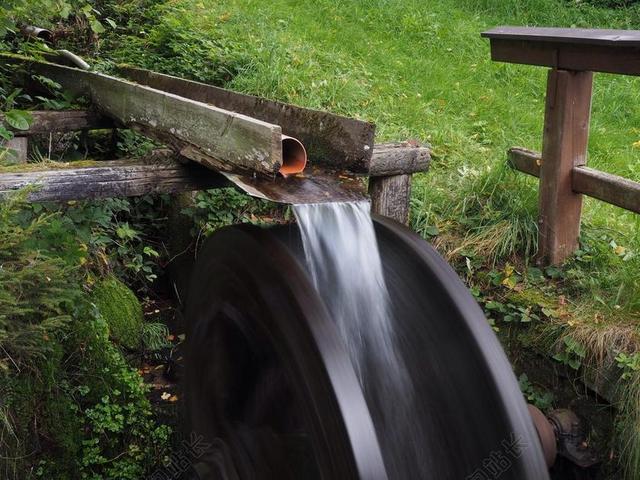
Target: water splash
[[342, 255]]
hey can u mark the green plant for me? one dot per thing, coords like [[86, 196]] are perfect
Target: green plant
[[541, 398], [629, 363], [155, 336], [572, 353], [213, 209]]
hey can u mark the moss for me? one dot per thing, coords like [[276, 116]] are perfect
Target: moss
[[121, 310], [531, 297], [48, 165]]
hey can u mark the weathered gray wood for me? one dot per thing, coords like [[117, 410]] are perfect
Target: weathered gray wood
[[610, 188], [212, 136], [64, 121], [566, 132], [120, 178], [18, 149], [612, 51], [399, 158], [331, 140], [390, 196], [613, 189]]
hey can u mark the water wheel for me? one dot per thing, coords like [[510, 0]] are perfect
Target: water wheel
[[272, 393]]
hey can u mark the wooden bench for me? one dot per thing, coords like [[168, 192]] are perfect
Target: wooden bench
[[572, 56]]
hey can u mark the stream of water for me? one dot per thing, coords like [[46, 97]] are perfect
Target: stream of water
[[342, 254]]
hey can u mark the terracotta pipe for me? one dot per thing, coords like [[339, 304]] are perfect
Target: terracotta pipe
[[294, 156]]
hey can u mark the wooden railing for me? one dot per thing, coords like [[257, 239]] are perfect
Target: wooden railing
[[572, 56]]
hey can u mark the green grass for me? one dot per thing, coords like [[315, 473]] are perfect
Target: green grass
[[420, 70]]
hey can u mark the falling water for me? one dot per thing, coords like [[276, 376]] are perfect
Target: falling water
[[342, 255]]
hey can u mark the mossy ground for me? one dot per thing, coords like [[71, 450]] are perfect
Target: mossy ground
[[121, 310]]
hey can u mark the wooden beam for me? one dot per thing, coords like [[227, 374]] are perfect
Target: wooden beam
[[399, 158], [64, 121], [525, 161], [331, 140], [566, 132], [612, 51], [390, 196], [609, 188], [121, 178], [212, 136], [613, 189]]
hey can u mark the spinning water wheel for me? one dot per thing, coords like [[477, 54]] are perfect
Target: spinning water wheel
[[272, 391]]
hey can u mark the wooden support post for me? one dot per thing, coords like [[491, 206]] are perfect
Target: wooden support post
[[19, 147], [390, 196], [566, 132]]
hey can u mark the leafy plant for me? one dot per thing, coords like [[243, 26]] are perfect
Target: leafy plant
[[629, 363], [572, 353], [543, 399]]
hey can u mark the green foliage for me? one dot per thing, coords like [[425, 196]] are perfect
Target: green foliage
[[572, 353], [46, 12], [629, 363], [64, 387], [541, 398], [121, 310], [213, 209], [37, 286], [155, 337]]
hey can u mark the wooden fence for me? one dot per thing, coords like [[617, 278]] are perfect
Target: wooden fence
[[572, 55]]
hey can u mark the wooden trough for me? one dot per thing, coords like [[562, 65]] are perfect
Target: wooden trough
[[228, 138]]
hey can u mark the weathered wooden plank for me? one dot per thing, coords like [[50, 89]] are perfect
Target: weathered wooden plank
[[215, 137], [331, 140], [610, 188], [390, 196], [399, 158], [566, 132], [64, 121], [111, 179], [607, 187]]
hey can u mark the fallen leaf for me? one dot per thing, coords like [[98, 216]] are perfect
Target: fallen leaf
[[165, 396]]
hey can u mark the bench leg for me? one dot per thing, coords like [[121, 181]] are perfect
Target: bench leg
[[566, 131]]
